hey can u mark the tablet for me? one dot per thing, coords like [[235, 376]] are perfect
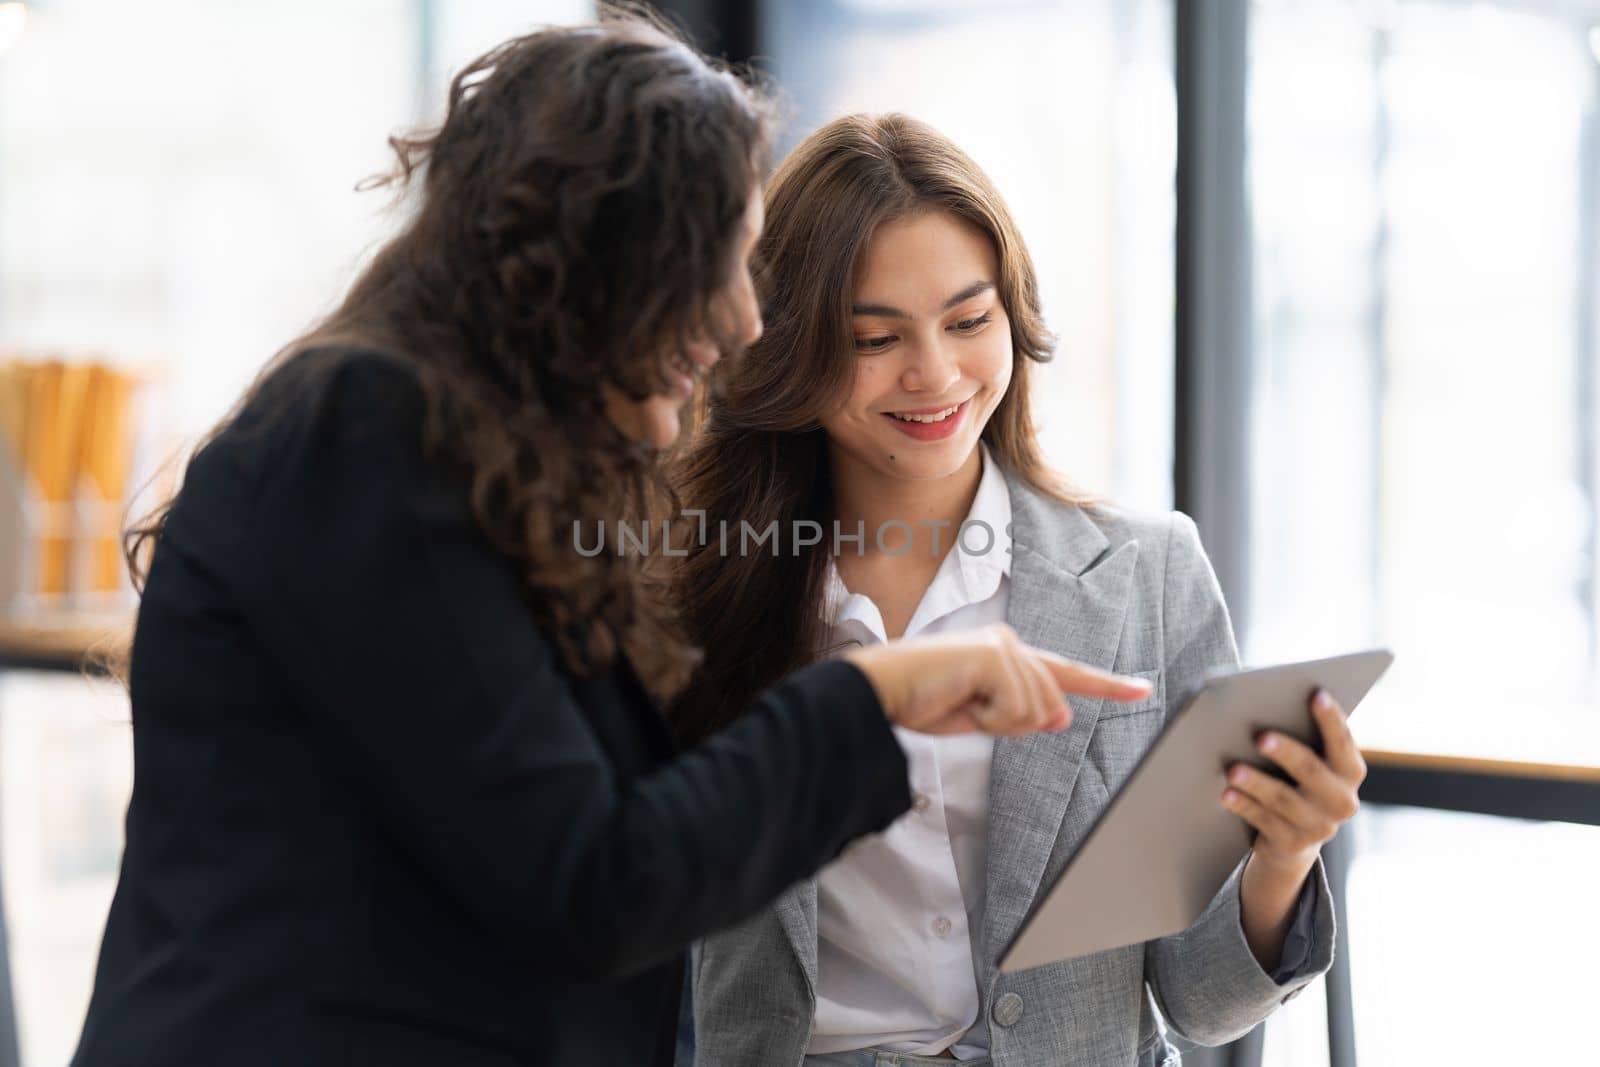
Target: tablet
[[1164, 845]]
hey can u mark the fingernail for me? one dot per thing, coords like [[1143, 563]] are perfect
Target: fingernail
[[1324, 701], [1238, 775], [1269, 743], [1230, 798]]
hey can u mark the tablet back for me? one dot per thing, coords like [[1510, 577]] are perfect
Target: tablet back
[[1165, 844]]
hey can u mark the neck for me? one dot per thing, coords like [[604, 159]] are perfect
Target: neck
[[864, 495]]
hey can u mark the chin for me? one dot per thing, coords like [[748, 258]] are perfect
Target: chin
[[920, 461], [663, 423], [664, 437]]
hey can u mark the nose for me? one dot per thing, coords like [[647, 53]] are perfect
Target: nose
[[747, 306], [932, 368]]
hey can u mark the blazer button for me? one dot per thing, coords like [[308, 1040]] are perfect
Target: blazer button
[[1008, 1010]]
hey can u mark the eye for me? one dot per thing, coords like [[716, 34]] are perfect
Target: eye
[[972, 325], [874, 344]]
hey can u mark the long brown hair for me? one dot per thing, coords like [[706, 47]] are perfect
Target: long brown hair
[[577, 216], [761, 456]]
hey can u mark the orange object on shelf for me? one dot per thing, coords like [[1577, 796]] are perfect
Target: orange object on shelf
[[67, 437], [51, 452], [107, 465]]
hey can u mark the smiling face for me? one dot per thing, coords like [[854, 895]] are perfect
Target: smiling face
[[655, 419], [933, 354]]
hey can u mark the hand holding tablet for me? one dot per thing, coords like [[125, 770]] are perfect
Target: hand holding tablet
[[1164, 846], [1298, 804]]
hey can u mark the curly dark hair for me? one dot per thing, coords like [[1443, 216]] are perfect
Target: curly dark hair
[[576, 219]]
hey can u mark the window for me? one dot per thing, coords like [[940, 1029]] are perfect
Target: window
[[1424, 182], [1425, 188]]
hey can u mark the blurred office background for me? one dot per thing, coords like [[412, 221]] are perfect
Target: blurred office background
[[1325, 273]]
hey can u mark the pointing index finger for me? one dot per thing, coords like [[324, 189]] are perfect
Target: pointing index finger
[[1082, 680]]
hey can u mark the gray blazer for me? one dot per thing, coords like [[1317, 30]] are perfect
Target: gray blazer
[[1130, 594]]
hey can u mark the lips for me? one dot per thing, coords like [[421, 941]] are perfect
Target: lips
[[928, 424], [701, 360], [705, 356], [930, 415]]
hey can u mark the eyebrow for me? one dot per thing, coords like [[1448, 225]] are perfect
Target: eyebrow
[[883, 311]]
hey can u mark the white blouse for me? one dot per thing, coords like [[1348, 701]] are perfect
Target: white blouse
[[900, 914]]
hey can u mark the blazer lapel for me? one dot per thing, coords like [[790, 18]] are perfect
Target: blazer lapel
[[797, 912], [1068, 596]]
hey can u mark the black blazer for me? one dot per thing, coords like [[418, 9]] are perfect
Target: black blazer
[[376, 822]]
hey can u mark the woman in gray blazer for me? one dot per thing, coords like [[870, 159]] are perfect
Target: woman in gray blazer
[[881, 429]]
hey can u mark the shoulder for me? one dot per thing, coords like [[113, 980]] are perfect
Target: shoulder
[[333, 389], [1170, 587], [1168, 540], [323, 405], [1152, 530], [323, 424], [1079, 536]]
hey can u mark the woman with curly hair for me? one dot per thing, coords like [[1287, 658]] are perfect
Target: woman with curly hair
[[403, 791]]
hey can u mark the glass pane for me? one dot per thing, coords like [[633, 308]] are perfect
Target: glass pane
[[455, 32], [1068, 105], [1472, 939], [175, 189], [1424, 193], [66, 770]]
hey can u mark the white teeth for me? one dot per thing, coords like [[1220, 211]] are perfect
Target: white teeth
[[938, 416]]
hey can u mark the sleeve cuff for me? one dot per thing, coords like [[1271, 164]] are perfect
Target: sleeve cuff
[[1301, 940], [1209, 984]]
